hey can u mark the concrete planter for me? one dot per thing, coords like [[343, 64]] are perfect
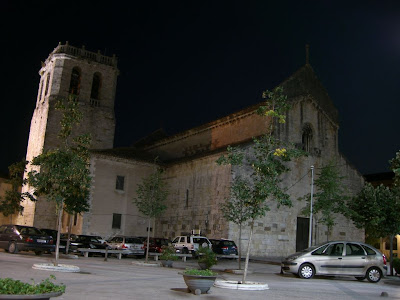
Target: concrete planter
[[199, 284], [167, 263], [46, 296]]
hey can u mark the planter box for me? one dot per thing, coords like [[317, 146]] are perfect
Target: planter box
[[34, 296], [198, 284]]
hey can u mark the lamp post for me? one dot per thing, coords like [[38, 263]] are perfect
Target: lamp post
[[311, 208]]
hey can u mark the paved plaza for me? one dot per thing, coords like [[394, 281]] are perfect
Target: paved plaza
[[129, 279]]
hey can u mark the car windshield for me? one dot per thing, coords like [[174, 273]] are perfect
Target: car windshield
[[133, 241], [87, 239], [312, 248], [29, 230], [229, 243]]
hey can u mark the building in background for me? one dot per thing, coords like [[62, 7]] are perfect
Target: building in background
[[198, 186]]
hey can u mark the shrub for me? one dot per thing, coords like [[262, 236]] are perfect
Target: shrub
[[10, 286], [207, 256], [396, 264], [168, 253], [199, 272]]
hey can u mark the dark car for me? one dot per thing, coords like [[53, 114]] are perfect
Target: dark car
[[223, 246], [156, 244], [14, 238], [87, 241]]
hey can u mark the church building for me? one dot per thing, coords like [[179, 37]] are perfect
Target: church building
[[197, 184]]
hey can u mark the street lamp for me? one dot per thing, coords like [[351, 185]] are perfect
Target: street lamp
[[311, 208]]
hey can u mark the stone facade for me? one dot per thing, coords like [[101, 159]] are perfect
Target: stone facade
[[197, 184], [55, 82]]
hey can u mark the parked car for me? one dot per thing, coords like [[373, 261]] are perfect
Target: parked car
[[338, 258], [224, 247], [132, 245], [87, 241], [156, 244], [14, 238], [190, 244], [53, 234]]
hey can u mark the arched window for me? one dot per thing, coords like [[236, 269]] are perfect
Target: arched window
[[96, 86], [75, 84], [40, 90], [306, 137], [47, 84]]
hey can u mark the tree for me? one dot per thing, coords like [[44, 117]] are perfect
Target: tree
[[395, 166], [151, 195], [62, 174], [330, 197], [11, 204], [377, 210], [250, 198], [236, 207]]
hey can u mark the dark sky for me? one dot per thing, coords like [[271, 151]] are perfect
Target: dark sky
[[185, 63]]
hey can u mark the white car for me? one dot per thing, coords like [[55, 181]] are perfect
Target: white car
[[190, 244]]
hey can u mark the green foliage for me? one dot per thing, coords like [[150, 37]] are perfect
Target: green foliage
[[151, 195], [63, 173], [395, 166], [238, 207], [396, 264], [10, 286], [248, 197], [11, 204], [207, 256], [267, 160], [199, 272], [330, 196], [275, 106], [377, 210], [168, 253]]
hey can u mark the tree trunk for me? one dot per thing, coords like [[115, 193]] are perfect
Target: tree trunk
[[240, 247], [246, 266], [148, 241], [69, 234], [391, 254], [60, 210]]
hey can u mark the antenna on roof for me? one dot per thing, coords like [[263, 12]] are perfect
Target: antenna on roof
[[307, 54]]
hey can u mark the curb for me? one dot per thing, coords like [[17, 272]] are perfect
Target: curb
[[236, 285], [59, 268]]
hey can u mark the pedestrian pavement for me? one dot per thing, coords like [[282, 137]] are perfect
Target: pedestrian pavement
[[129, 278]]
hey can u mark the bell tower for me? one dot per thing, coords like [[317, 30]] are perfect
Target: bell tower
[[92, 78]]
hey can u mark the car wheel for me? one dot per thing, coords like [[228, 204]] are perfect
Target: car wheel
[[360, 278], [306, 271], [12, 247], [374, 274], [38, 252]]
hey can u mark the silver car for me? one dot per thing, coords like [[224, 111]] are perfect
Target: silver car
[[338, 258], [130, 245]]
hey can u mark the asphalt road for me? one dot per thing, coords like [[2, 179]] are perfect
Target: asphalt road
[[125, 279]]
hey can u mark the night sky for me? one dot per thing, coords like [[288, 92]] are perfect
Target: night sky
[[185, 63]]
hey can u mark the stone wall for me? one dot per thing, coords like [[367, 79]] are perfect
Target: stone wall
[[197, 188], [105, 199], [98, 120]]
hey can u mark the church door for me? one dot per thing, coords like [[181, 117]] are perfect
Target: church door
[[302, 233]]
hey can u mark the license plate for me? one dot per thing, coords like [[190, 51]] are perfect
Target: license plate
[[41, 241]]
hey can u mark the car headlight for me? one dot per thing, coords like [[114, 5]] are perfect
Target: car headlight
[[291, 258]]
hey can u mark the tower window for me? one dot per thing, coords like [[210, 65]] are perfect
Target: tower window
[[306, 138], [116, 221], [119, 184], [96, 86], [75, 84]]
